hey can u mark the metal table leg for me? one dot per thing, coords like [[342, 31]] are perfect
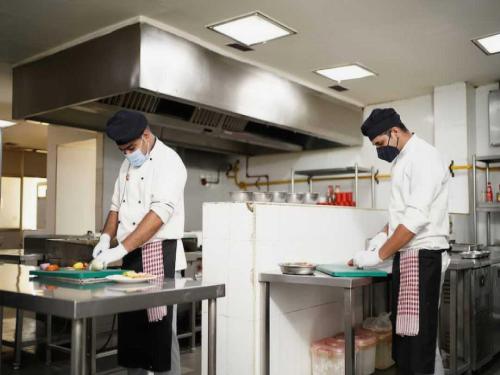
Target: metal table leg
[[18, 341], [349, 332], [453, 321], [467, 319], [83, 351], [76, 346], [92, 348], [212, 336], [48, 350], [265, 363], [193, 326]]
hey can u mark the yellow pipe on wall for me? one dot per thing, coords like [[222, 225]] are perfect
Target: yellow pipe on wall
[[244, 185]]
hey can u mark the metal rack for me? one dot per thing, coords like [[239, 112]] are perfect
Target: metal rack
[[354, 172], [485, 207]]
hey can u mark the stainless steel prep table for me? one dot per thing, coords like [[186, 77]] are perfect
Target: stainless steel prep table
[[318, 279], [18, 290]]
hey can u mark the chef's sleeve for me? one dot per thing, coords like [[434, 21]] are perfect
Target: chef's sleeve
[[168, 188], [115, 199], [426, 179]]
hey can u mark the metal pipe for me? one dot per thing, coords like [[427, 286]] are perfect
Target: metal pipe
[[292, 179], [48, 350], [76, 346], [212, 336], [83, 351], [474, 196], [349, 332], [372, 185], [356, 176], [18, 340], [453, 321]]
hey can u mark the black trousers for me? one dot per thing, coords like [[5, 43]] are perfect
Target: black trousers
[[142, 344], [417, 354]]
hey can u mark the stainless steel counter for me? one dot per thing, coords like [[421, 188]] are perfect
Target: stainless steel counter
[[79, 303], [458, 263], [348, 284]]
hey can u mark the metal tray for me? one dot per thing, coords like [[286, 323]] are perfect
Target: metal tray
[[474, 254], [297, 268]]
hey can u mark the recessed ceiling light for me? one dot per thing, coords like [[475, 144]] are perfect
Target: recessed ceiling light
[[489, 44], [252, 29], [5, 123], [346, 72]]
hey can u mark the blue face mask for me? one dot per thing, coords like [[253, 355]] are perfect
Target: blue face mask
[[388, 153], [137, 158]]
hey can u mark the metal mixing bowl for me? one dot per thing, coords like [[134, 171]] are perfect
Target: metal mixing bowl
[[262, 197], [241, 196], [295, 197], [297, 268]]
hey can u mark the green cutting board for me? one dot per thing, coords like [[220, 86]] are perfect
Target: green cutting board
[[340, 270], [77, 274]]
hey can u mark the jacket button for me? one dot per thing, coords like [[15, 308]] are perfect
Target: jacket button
[[133, 223], [139, 202], [142, 178], [124, 201], [119, 221], [150, 158]]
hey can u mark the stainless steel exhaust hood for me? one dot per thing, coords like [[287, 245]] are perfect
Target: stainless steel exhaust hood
[[195, 97]]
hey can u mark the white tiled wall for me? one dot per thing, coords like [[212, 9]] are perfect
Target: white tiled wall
[[239, 243]]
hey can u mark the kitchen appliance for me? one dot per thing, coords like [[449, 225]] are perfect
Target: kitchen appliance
[[297, 268], [192, 97]]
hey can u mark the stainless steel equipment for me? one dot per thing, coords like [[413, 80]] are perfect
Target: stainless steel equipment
[[461, 247], [494, 117], [495, 311], [295, 198], [241, 196], [279, 196], [477, 254], [258, 196], [311, 198], [193, 97], [297, 268]]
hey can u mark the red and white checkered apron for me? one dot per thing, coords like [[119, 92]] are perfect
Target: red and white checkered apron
[[152, 262], [407, 319]]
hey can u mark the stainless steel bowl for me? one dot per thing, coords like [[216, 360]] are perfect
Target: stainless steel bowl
[[475, 254], [258, 196], [297, 268], [322, 199], [241, 196], [311, 198], [278, 196], [295, 197]]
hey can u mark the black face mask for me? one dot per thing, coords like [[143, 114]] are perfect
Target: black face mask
[[388, 153]]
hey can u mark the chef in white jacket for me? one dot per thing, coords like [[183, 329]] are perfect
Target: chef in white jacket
[[147, 218], [417, 236]]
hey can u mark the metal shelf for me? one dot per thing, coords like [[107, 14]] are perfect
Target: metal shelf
[[488, 159], [488, 207], [333, 171]]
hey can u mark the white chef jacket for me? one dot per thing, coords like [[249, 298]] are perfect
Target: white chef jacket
[[419, 195], [156, 185]]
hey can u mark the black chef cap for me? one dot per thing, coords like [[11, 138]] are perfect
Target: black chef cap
[[379, 121], [125, 126]]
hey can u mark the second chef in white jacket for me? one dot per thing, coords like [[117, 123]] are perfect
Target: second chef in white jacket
[[417, 236]]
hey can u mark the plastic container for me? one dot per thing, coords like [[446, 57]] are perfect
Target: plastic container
[[365, 344], [381, 327], [327, 356]]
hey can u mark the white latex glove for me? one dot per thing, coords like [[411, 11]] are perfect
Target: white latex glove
[[112, 255], [103, 244], [376, 242], [367, 258]]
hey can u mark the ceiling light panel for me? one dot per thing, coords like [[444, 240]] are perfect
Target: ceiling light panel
[[346, 72], [489, 44], [252, 29]]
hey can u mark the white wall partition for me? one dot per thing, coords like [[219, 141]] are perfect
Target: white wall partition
[[239, 243]]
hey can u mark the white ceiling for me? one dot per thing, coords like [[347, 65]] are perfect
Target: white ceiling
[[25, 135], [413, 45]]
